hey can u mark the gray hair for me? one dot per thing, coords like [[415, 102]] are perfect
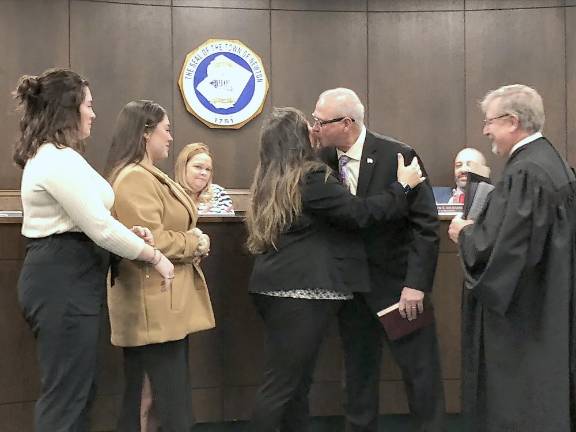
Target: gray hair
[[345, 103], [522, 102]]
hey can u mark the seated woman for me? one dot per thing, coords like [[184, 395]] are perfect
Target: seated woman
[[308, 259], [194, 173]]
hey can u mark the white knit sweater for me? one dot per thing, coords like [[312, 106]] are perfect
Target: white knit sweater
[[61, 192]]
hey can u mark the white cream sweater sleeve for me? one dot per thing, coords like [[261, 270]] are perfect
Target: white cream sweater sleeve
[[61, 192]]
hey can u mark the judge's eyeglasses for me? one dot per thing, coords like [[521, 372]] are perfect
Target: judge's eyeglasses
[[488, 121]]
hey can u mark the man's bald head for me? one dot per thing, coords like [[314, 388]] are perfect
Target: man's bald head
[[464, 162], [338, 118], [343, 102]]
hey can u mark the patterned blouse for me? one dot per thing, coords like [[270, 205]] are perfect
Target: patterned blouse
[[310, 294], [221, 203]]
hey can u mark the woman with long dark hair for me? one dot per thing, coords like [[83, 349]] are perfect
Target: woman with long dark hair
[[150, 323], [301, 226], [69, 231]]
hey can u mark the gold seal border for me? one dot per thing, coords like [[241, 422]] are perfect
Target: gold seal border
[[191, 110]]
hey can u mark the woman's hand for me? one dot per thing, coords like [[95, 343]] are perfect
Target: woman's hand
[[165, 268], [203, 248], [203, 245], [410, 175], [144, 233]]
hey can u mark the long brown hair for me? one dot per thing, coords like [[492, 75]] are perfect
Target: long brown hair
[[286, 155], [187, 153], [50, 107], [128, 140]]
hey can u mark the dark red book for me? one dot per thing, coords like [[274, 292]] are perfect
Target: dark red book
[[397, 327]]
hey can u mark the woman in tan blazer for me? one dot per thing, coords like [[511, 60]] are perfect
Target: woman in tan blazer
[[151, 320]]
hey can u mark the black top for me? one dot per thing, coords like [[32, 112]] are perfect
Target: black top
[[519, 327], [321, 250]]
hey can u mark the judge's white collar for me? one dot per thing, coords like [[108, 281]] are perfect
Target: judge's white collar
[[525, 141]]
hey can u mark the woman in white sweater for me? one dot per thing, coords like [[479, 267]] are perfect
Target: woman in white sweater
[[69, 232]]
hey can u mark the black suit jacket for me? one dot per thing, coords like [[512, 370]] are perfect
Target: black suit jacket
[[401, 253], [322, 248]]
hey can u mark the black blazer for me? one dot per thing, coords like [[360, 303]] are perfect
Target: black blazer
[[322, 248], [402, 252]]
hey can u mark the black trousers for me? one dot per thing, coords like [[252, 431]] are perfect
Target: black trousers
[[61, 291], [166, 365], [417, 356], [294, 330]]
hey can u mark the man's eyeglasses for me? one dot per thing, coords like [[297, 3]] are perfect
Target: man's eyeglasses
[[321, 123], [488, 121]]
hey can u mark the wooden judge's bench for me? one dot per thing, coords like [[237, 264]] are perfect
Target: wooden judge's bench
[[226, 362]]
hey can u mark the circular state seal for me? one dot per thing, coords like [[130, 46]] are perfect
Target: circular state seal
[[223, 83]]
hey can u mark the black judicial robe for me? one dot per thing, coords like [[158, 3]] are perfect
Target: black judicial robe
[[518, 305]]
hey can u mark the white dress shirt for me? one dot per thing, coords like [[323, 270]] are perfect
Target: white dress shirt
[[353, 166]]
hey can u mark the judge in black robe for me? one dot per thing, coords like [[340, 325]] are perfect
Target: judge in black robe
[[519, 265]]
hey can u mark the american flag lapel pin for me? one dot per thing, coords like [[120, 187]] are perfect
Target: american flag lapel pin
[[369, 160]]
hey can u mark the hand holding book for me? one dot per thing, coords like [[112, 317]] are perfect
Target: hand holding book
[[397, 327]]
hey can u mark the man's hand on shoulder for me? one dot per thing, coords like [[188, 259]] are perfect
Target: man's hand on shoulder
[[411, 303]]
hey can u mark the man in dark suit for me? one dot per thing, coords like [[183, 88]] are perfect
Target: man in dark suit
[[402, 259]]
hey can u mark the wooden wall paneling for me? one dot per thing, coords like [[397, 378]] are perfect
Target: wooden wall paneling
[[237, 342], [235, 151], [207, 404], [497, 53], [324, 5], [416, 85], [447, 295], [452, 394], [12, 244], [206, 362], [10, 199], [104, 412], [124, 50], [238, 402], [21, 382], [393, 397], [224, 4], [315, 51], [446, 245], [571, 82], [242, 329], [511, 4], [327, 398], [330, 365], [140, 2], [415, 5], [206, 372], [22, 25], [110, 374], [17, 417], [389, 369]]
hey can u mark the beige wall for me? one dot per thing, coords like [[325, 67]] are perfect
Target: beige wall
[[419, 65]]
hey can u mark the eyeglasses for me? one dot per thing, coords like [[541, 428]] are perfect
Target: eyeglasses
[[321, 123], [488, 121]]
